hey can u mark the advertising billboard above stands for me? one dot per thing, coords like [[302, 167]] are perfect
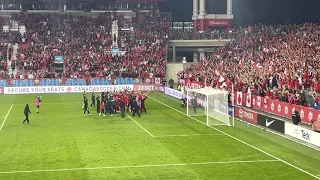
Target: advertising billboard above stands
[[271, 123], [246, 115], [302, 134], [218, 22], [308, 115]]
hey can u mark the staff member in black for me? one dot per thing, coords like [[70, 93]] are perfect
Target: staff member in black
[[98, 104], [26, 113], [135, 108], [296, 119], [84, 98], [122, 108], [93, 100], [86, 108]]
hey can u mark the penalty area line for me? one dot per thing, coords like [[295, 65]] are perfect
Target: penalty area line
[[140, 125], [5, 118], [138, 166], [243, 142]]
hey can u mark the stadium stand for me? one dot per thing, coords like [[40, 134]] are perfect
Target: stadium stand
[[85, 43], [278, 62]]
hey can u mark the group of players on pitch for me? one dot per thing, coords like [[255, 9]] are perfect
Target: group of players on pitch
[[113, 102]]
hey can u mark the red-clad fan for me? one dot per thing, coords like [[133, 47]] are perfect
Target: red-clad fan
[[116, 97], [126, 100]]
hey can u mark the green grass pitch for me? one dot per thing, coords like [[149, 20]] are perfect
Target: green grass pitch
[[61, 143]]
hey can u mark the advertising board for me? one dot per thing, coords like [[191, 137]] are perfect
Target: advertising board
[[302, 134], [271, 123], [246, 115]]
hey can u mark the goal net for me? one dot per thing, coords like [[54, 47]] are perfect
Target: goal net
[[212, 104]]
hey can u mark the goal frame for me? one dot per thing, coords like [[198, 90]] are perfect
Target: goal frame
[[207, 105]]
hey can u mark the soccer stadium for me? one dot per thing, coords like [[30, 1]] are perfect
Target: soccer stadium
[[159, 89]]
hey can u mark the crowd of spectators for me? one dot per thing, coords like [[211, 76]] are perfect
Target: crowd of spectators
[[279, 62], [85, 43]]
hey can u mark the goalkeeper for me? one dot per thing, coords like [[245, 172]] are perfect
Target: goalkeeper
[[194, 104]]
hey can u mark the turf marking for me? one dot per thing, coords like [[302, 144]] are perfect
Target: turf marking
[[243, 142], [186, 135], [140, 125], [5, 118], [139, 166]]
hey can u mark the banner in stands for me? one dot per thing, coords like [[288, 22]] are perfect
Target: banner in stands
[[246, 115], [308, 115], [157, 80], [193, 84], [271, 123], [302, 133]]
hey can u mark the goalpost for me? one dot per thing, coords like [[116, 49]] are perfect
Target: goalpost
[[212, 104]]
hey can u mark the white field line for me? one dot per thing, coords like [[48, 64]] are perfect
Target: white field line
[[140, 125], [138, 166], [264, 152], [5, 118], [187, 135]]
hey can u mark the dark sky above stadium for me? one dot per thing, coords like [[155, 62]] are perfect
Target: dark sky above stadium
[[252, 11]]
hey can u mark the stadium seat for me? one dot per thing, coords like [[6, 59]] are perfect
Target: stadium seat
[[131, 81], [42, 82], [103, 82], [26, 83], [57, 82]]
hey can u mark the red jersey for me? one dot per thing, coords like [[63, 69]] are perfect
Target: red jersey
[[102, 106]]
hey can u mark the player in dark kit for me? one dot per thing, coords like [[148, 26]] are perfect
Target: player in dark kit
[[84, 98], [86, 108], [143, 105], [122, 108], [26, 113], [93, 100], [135, 108], [98, 104]]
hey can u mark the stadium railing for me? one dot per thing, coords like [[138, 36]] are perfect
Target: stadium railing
[[203, 36]]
